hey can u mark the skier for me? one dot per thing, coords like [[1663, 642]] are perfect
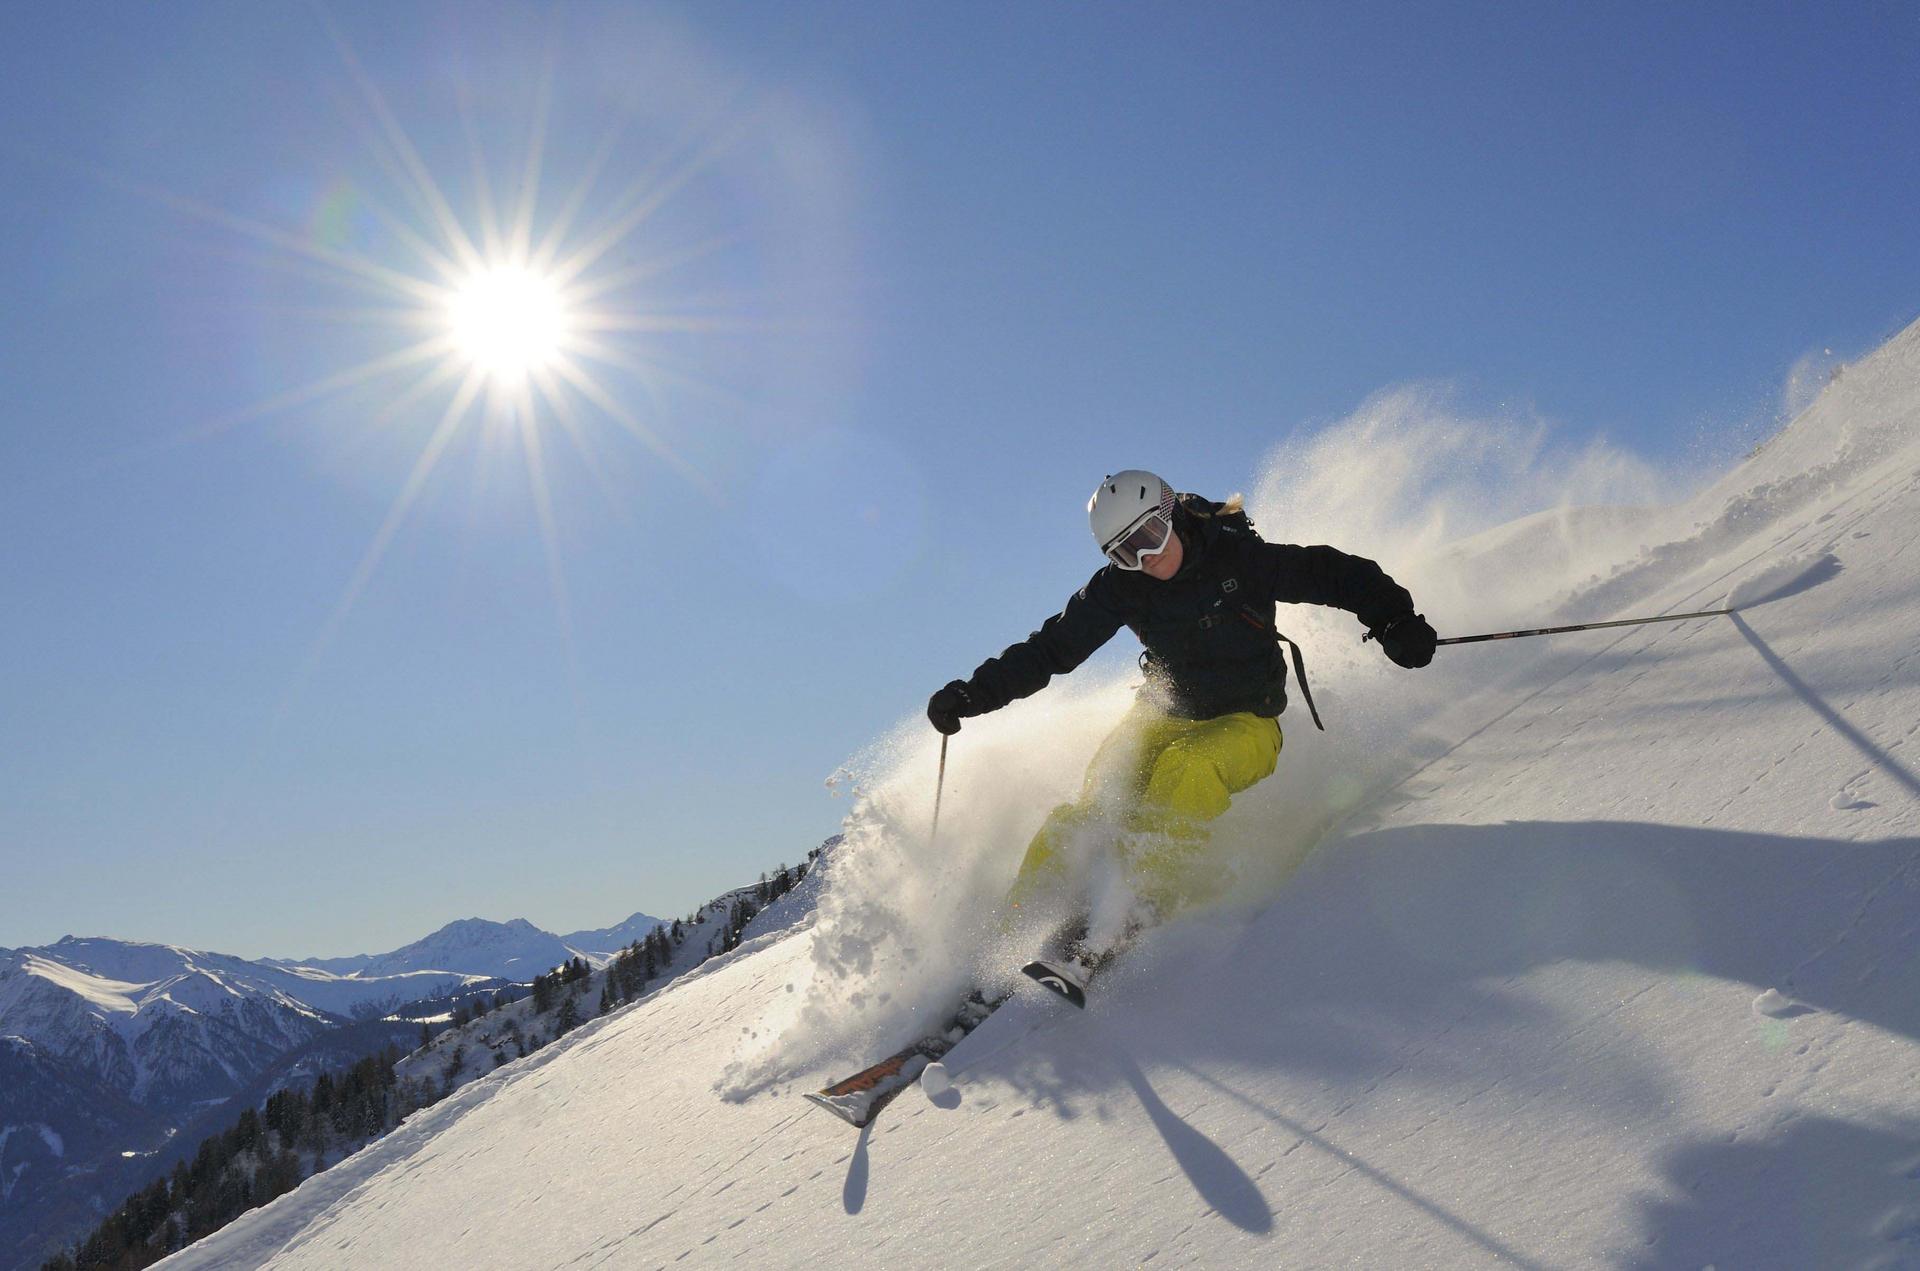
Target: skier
[[1198, 586]]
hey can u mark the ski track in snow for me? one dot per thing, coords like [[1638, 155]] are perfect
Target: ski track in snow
[[1626, 972]]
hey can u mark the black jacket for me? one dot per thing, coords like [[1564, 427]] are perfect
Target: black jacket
[[1208, 630]]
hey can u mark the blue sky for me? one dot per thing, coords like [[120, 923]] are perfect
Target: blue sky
[[909, 279]]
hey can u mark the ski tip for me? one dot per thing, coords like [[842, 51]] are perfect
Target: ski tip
[[838, 1106], [1058, 980]]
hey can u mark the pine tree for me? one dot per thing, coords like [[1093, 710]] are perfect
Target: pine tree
[[455, 1066], [246, 1133], [606, 994], [569, 1017], [323, 1095]]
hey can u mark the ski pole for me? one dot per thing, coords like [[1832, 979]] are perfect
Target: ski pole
[[939, 789], [1582, 626]]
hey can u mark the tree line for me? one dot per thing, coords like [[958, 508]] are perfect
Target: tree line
[[266, 1153]]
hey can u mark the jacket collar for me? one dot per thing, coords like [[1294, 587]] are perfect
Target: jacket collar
[[1198, 535]]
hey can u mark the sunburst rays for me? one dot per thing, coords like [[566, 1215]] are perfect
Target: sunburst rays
[[508, 315]]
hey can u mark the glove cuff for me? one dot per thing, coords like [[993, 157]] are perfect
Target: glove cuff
[[1384, 629]]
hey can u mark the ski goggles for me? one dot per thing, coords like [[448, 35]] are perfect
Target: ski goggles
[[1146, 537]]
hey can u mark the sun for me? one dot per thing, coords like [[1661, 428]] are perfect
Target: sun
[[526, 318], [509, 322]]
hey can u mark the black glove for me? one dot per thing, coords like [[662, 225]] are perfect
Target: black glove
[[1409, 641], [949, 706]]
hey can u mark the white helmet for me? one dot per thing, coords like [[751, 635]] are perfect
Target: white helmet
[[1131, 514]]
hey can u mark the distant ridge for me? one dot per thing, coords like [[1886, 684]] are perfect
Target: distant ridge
[[610, 940]]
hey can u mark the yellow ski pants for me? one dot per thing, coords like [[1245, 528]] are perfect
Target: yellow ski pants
[[1154, 784]]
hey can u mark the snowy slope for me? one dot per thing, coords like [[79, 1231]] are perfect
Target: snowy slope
[[466, 1053], [1608, 955]]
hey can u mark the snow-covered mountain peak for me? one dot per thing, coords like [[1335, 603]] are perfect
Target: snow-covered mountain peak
[[515, 950], [132, 961], [205, 993], [106, 996], [599, 943], [482, 928]]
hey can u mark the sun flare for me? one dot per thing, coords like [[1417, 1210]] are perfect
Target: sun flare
[[530, 322], [508, 321]]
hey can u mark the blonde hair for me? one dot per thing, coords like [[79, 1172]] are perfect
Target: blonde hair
[[1235, 502]]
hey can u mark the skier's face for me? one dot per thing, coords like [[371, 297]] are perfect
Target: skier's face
[[1167, 563]]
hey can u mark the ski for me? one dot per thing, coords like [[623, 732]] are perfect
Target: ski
[[1013, 1024], [1069, 967], [1063, 977], [858, 1099]]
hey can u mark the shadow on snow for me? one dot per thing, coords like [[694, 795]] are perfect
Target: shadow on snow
[[1387, 942]]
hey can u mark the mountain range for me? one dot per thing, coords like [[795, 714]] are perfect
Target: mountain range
[[513, 950], [109, 1049]]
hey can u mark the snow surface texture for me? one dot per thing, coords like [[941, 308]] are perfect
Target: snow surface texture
[[1609, 952]]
